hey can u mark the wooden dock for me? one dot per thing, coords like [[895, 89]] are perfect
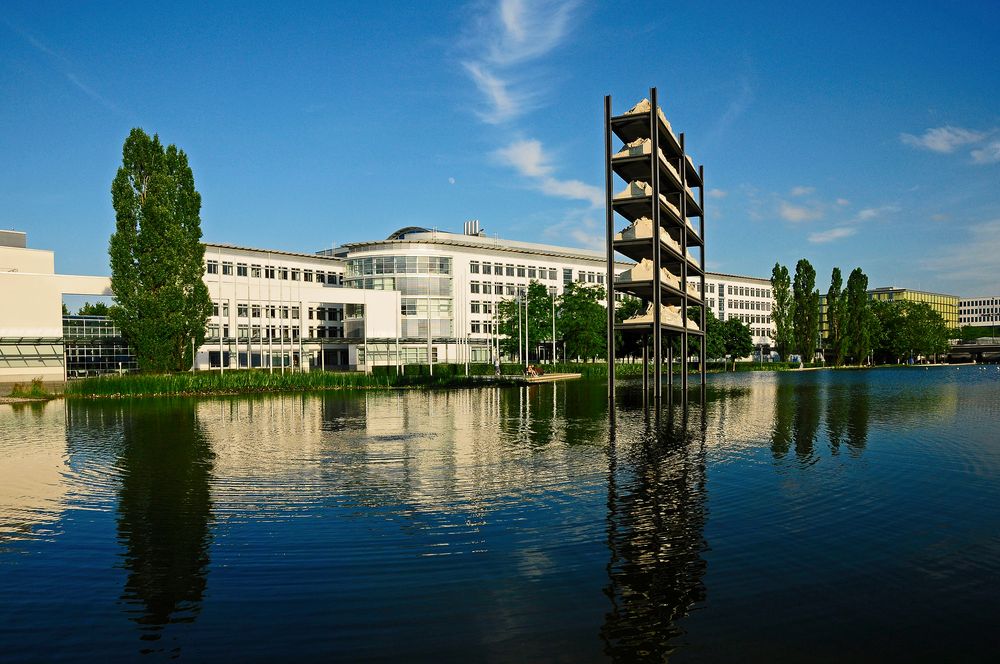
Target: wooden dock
[[551, 378]]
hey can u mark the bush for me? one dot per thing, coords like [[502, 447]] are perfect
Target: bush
[[34, 390]]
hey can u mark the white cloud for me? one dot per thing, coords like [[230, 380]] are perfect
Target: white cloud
[[988, 154], [451, 180], [801, 191], [579, 228], [971, 266], [515, 33], [944, 139], [832, 234], [528, 158], [717, 193], [797, 213], [842, 202], [867, 214]]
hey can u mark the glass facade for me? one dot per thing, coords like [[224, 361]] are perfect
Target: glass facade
[[425, 284], [945, 305], [95, 346]]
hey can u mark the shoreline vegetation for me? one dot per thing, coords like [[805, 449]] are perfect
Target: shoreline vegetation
[[257, 381]]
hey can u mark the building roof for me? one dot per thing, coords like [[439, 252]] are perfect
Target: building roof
[[416, 234], [902, 289], [278, 252], [736, 276]]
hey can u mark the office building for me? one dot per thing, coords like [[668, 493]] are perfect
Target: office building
[[945, 305], [979, 311]]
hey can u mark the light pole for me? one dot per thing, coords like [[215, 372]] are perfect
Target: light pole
[[517, 304], [552, 295]]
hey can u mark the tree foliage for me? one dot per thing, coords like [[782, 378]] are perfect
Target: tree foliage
[[737, 338], [581, 321], [805, 316], [905, 331], [628, 345], [156, 254], [835, 316], [857, 317], [95, 309], [782, 312]]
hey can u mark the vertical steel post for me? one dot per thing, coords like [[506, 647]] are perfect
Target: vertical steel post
[[654, 172], [609, 238], [684, 270], [704, 300]]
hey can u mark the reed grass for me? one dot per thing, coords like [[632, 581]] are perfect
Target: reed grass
[[254, 381], [33, 390]]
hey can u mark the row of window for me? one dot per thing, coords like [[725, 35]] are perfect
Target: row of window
[[523, 271], [482, 327], [247, 310], [982, 318], [965, 304], [255, 271], [478, 307], [746, 305], [751, 319], [357, 267], [274, 332], [487, 288]]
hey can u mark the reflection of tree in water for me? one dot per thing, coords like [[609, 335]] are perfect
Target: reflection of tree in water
[[805, 421], [163, 514], [784, 413], [859, 406], [656, 519]]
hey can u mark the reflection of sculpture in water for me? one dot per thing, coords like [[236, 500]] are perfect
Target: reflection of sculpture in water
[[656, 520], [164, 511]]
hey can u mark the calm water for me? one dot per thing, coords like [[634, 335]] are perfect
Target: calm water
[[848, 516]]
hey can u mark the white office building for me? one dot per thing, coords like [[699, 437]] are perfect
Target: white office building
[[747, 299], [450, 284], [979, 311]]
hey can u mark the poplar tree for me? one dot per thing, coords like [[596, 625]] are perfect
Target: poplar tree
[[806, 314], [857, 330], [835, 316], [156, 254], [782, 312]]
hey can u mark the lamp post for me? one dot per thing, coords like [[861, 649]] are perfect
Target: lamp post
[[552, 295]]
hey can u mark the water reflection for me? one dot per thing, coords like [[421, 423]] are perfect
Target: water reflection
[[164, 514], [655, 528]]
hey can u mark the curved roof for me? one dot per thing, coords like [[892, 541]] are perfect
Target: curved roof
[[403, 232]]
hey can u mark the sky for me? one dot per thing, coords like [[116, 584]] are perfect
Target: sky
[[849, 134]]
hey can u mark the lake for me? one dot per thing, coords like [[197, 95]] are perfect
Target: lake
[[804, 516]]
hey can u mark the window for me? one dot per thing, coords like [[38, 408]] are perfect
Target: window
[[295, 313], [475, 327], [320, 277], [567, 276], [243, 332], [475, 307], [509, 289], [284, 312], [474, 267], [212, 267], [320, 313], [532, 273], [520, 270], [242, 309], [600, 278], [241, 269], [474, 287], [408, 307], [487, 268], [487, 307], [255, 311], [283, 273], [509, 270], [296, 275], [307, 275], [730, 290], [255, 331], [227, 268], [225, 310], [255, 271], [487, 288], [552, 274], [590, 277], [269, 272]]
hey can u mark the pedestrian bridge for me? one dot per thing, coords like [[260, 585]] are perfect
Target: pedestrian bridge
[[983, 349]]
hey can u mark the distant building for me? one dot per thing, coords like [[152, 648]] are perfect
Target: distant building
[[979, 311], [945, 305], [747, 299]]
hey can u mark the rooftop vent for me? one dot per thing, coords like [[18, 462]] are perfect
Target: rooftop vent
[[472, 228]]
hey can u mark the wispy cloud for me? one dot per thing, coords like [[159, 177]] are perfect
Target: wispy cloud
[[579, 228], [843, 202], [717, 193], [529, 159], [833, 234], [871, 213], [738, 104], [65, 66], [505, 39], [797, 213], [801, 191], [970, 265], [988, 154], [944, 139]]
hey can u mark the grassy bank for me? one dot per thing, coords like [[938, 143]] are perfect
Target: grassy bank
[[256, 381], [34, 390]]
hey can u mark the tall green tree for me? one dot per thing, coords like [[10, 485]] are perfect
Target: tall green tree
[[532, 310], [806, 309], [835, 316], [95, 309], [737, 338], [781, 314], [857, 332], [581, 321], [905, 331], [156, 254], [628, 345]]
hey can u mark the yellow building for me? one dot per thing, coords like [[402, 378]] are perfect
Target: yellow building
[[945, 305]]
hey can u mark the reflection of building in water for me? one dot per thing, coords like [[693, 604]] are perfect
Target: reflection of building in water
[[656, 521], [741, 416], [32, 490]]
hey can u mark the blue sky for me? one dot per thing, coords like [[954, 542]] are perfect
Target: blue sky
[[846, 133]]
